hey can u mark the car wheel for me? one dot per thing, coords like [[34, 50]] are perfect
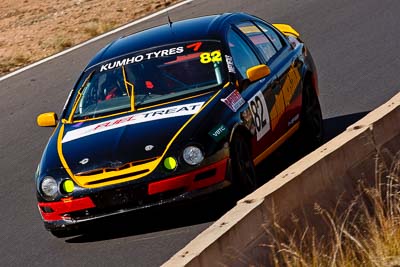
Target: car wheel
[[311, 118], [243, 170]]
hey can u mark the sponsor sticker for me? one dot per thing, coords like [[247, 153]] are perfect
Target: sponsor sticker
[[218, 132], [291, 83], [285, 95], [139, 58], [293, 120], [84, 161], [152, 115], [234, 100], [229, 63], [259, 110], [148, 147]]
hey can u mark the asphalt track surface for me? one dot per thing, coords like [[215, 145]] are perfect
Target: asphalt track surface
[[356, 48]]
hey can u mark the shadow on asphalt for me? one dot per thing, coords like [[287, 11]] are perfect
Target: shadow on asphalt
[[295, 149], [154, 219], [205, 209]]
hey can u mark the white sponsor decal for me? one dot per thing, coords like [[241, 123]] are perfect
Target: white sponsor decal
[[260, 113], [293, 120], [139, 58], [229, 63], [156, 114], [148, 147], [84, 161]]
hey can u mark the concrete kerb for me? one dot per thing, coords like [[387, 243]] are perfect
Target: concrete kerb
[[330, 172]]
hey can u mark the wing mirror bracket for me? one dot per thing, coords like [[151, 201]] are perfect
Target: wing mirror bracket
[[253, 74]]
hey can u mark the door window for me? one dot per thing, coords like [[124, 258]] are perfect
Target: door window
[[243, 56], [258, 38], [272, 35]]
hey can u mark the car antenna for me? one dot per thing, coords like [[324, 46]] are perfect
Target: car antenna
[[169, 19]]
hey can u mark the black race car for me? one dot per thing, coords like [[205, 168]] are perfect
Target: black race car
[[174, 112]]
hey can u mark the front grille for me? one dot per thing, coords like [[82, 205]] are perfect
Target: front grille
[[112, 175], [132, 174], [119, 168], [205, 175], [126, 196]]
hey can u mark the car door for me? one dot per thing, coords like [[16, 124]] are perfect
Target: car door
[[286, 65], [259, 95]]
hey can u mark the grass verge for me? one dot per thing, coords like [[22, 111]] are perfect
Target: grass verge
[[367, 233]]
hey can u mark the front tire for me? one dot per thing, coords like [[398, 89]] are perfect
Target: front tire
[[243, 170]]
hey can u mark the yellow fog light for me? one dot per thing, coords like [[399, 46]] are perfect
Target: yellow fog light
[[68, 186], [170, 163]]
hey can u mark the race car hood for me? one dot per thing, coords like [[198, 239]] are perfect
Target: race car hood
[[118, 141]]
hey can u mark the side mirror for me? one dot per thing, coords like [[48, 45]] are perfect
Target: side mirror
[[257, 72], [48, 119]]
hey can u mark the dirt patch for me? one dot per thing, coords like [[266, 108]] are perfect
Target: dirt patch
[[34, 29]]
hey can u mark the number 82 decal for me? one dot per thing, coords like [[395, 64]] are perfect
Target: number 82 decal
[[260, 113], [214, 56]]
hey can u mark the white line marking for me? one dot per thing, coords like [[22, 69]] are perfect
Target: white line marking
[[94, 39]]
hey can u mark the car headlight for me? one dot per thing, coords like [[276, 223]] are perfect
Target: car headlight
[[49, 187], [192, 155]]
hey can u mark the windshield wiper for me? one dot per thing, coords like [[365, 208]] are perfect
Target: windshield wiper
[[145, 97]]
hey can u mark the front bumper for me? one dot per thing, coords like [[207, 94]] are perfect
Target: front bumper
[[71, 211]]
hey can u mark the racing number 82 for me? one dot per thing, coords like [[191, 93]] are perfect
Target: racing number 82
[[259, 118], [214, 56], [259, 110]]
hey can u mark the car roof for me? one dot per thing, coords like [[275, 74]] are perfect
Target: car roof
[[207, 27]]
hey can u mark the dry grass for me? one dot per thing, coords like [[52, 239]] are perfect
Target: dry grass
[[366, 234], [41, 28], [97, 27], [11, 63], [62, 42]]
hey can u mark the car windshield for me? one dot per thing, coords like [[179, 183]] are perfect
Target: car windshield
[[152, 76]]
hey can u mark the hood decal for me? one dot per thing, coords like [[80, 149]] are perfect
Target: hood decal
[[152, 115], [120, 176]]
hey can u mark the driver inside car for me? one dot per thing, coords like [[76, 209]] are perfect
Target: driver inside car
[[111, 87]]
